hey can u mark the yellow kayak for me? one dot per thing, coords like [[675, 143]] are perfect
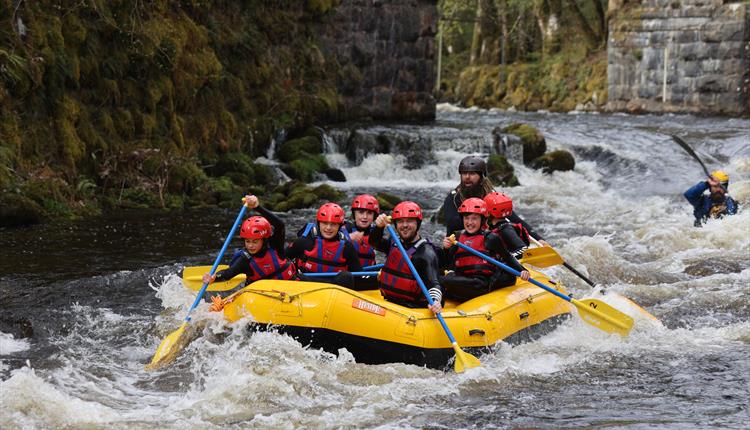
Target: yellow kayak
[[375, 331]]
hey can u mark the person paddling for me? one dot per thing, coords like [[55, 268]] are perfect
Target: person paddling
[[397, 284], [325, 249], [471, 276], [515, 236], [716, 203], [263, 236], [474, 183]]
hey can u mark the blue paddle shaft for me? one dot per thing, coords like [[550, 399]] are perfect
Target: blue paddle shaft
[[397, 241], [218, 260], [373, 267], [327, 274], [512, 271], [307, 229]]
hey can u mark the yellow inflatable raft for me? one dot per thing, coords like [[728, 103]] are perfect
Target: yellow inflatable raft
[[375, 331]]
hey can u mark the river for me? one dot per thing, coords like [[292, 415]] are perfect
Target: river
[[85, 304]]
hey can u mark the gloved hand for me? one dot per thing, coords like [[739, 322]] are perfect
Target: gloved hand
[[305, 243]]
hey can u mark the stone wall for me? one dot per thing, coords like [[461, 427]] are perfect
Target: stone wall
[[387, 52], [706, 44]]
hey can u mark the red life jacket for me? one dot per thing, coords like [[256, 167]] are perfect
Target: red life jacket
[[365, 252], [396, 280], [326, 256], [271, 266], [468, 264]]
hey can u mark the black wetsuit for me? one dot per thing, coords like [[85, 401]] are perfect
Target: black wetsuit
[[425, 260], [454, 222], [463, 288]]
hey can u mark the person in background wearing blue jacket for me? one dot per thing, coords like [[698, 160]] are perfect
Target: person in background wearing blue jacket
[[717, 203]]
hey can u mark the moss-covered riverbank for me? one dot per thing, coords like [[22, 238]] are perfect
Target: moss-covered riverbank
[[160, 104]]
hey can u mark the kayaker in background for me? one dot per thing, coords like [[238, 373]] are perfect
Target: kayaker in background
[[716, 203], [397, 284], [470, 276], [474, 183], [325, 249], [263, 236], [364, 210]]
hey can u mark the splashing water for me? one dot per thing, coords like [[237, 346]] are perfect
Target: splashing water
[[619, 218]]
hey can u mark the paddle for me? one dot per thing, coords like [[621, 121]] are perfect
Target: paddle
[[593, 311], [544, 256], [590, 282], [169, 347], [192, 277], [332, 274], [373, 267], [463, 359], [692, 153]]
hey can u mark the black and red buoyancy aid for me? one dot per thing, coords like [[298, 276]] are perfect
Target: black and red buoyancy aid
[[396, 280], [468, 264], [365, 252], [326, 256], [271, 266], [515, 237]]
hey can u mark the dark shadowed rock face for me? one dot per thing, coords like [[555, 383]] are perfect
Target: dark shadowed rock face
[[706, 45], [386, 51]]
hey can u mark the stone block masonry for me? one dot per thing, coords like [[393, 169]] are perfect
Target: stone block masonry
[[386, 51], [705, 46]]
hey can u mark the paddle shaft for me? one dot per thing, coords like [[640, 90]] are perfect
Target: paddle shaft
[[217, 261], [579, 274], [692, 153], [397, 241], [511, 270], [327, 274], [373, 267], [577, 303]]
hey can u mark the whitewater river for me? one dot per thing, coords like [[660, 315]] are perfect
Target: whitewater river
[[84, 305]]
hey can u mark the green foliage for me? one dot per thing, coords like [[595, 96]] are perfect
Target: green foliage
[[130, 82]]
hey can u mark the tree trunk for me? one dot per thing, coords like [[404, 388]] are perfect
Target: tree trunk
[[476, 40], [583, 23], [547, 13], [504, 35]]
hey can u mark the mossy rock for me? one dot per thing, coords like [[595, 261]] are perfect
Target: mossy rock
[[387, 201], [185, 177], [555, 161], [305, 168], [17, 210], [138, 198], [500, 171], [534, 144], [329, 193], [217, 191], [295, 149]]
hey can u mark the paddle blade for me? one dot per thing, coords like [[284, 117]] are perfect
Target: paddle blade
[[192, 277], [168, 349], [464, 360], [604, 316], [544, 256]]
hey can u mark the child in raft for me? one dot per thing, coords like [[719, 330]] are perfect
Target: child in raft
[[364, 210], [471, 276], [325, 249], [260, 259]]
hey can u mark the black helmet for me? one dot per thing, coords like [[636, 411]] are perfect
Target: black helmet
[[472, 164]]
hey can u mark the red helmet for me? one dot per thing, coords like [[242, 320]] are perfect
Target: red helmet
[[498, 204], [367, 202], [473, 205], [256, 227], [331, 212], [407, 209]]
